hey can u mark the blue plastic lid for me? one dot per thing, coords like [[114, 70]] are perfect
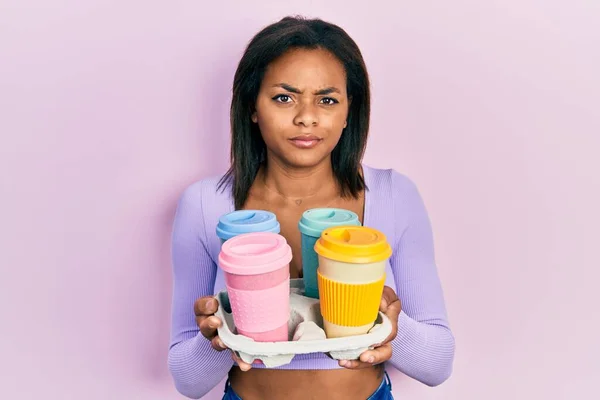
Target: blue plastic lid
[[315, 220], [246, 221]]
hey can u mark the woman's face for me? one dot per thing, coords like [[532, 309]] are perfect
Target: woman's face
[[302, 107]]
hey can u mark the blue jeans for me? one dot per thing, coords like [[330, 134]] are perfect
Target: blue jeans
[[383, 392]]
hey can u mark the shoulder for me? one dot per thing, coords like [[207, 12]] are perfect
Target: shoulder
[[388, 182], [393, 192], [206, 195], [206, 188], [391, 199], [198, 209]]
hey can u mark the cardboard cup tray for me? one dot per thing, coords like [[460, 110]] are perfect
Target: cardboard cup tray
[[306, 334]]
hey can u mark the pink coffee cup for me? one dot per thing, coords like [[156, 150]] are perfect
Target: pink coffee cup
[[257, 277]]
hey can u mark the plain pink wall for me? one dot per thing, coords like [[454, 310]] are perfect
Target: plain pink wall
[[108, 109]]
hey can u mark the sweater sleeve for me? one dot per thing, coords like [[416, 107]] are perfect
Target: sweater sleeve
[[424, 346], [194, 365]]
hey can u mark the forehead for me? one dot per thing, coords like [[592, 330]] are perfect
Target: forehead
[[307, 67]]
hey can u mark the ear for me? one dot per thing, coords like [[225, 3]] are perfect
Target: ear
[[254, 117]]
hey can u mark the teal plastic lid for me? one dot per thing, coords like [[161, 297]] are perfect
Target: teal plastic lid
[[316, 220], [246, 221]]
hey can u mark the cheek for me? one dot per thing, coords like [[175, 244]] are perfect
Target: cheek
[[264, 116], [271, 124], [272, 120], [334, 123]]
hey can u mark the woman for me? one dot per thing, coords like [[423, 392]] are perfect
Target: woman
[[299, 119]]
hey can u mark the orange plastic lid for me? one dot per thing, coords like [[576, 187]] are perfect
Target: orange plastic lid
[[353, 244]]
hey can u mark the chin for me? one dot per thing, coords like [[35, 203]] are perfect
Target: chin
[[306, 160]]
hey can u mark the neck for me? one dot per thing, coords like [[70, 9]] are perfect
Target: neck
[[298, 183]]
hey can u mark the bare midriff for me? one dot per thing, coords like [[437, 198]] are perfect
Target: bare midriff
[[267, 384]]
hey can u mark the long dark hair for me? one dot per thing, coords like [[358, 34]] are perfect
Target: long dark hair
[[248, 149]]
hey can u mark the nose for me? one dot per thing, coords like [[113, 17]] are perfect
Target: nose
[[306, 116]]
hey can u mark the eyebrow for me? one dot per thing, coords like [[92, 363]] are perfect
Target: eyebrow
[[325, 91]]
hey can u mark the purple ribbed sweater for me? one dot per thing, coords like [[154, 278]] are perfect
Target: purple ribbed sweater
[[424, 346]]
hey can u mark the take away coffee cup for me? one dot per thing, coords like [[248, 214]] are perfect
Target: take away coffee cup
[[246, 221], [351, 277], [311, 225], [257, 278]]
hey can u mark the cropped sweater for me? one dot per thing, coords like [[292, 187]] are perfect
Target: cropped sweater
[[424, 346]]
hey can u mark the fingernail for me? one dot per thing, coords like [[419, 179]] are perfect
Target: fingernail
[[371, 359], [343, 363]]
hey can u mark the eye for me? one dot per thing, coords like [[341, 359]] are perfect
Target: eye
[[328, 101], [282, 98]]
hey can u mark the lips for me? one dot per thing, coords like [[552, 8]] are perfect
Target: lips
[[305, 141]]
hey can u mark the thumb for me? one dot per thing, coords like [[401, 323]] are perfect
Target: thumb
[[387, 297], [384, 304]]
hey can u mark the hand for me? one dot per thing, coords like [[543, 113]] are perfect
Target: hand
[[204, 309], [391, 307]]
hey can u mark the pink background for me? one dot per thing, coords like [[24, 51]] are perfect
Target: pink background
[[108, 109]]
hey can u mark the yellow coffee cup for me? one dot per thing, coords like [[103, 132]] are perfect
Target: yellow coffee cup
[[351, 277]]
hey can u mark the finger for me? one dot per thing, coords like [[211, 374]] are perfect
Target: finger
[[205, 306], [208, 326], [218, 344], [369, 358], [387, 298], [354, 364], [244, 366], [377, 355], [393, 313], [391, 307]]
